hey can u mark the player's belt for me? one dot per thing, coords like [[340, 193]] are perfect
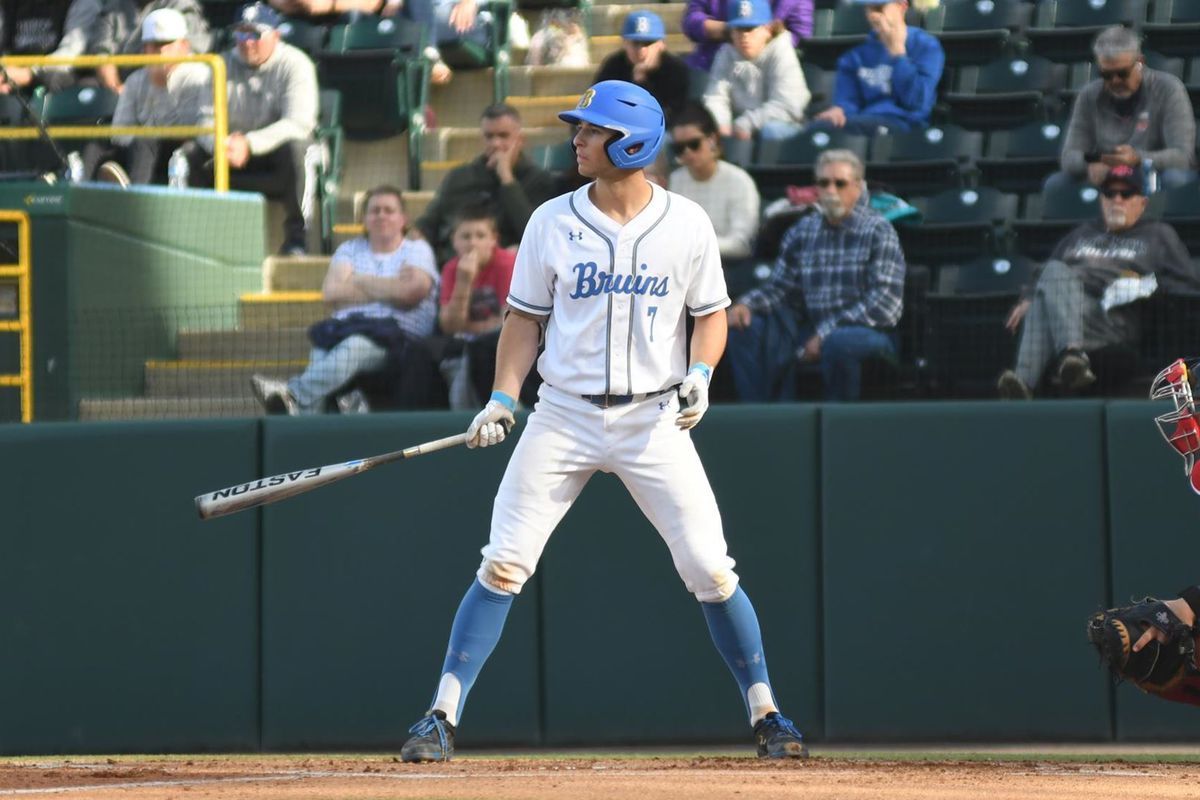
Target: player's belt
[[610, 400]]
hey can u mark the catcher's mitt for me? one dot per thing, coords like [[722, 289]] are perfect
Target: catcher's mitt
[[1167, 669]]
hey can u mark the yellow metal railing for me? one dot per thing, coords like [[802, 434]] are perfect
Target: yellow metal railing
[[23, 325], [219, 129]]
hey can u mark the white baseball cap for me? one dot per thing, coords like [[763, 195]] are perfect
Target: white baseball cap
[[164, 25]]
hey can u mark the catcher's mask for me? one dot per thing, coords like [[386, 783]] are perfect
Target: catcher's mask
[[1180, 427]]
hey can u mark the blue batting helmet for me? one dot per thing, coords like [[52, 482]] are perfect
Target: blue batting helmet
[[629, 110]]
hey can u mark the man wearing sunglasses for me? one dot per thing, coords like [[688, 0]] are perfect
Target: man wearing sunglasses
[[833, 299], [1079, 300], [1128, 115]]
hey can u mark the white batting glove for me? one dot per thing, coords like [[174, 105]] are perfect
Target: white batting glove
[[491, 425], [693, 396]]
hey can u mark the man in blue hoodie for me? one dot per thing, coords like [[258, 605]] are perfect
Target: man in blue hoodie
[[890, 80]]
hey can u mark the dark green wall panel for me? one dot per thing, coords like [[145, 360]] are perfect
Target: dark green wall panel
[[1155, 548], [362, 580], [128, 624], [964, 544], [628, 654]]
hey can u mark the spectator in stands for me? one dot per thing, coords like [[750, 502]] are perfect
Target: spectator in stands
[[474, 297], [725, 191], [704, 22], [502, 178], [60, 28], [890, 80], [158, 95], [834, 297], [643, 59], [756, 85], [320, 8], [1129, 114], [118, 31], [383, 292], [1079, 300], [272, 93]]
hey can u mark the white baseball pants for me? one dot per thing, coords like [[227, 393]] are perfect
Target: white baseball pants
[[566, 441]]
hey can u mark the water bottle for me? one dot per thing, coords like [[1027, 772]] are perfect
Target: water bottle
[[1150, 177], [75, 167], [177, 170]]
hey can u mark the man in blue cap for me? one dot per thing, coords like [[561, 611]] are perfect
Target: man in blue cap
[[644, 60], [609, 274], [890, 80]]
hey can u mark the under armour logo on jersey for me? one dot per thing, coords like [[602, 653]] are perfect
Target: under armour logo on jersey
[[590, 281], [573, 235]]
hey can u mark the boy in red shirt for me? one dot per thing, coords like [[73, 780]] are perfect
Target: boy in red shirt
[[474, 296]]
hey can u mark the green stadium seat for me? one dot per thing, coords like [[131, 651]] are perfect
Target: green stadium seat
[[467, 54], [789, 162], [697, 83], [1019, 160], [1050, 215], [221, 13], [1006, 93], [1181, 207], [977, 31], [1063, 30], [959, 224], [1173, 28], [558, 157], [966, 343], [78, 105], [924, 161], [835, 31], [372, 62], [329, 135], [304, 34], [820, 87]]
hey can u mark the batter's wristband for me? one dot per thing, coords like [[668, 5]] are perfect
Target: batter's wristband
[[1191, 596], [702, 367], [505, 400]]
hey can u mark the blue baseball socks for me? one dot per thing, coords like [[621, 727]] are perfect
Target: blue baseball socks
[[473, 637], [734, 628]]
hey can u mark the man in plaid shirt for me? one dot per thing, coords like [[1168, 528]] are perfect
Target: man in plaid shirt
[[834, 298]]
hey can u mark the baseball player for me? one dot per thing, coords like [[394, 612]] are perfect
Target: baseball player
[[609, 271]]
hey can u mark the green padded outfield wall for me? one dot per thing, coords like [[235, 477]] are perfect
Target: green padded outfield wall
[[361, 582], [128, 624], [135, 266], [964, 545], [1155, 521], [627, 651]]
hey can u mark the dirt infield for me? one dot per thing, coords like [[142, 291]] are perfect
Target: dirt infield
[[588, 778]]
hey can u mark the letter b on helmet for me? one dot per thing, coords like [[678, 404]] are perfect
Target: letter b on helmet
[[630, 111]]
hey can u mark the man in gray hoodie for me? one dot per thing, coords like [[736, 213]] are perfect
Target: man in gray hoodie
[[273, 101], [756, 85], [1129, 115]]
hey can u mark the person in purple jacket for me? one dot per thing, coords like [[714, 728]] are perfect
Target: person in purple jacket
[[890, 80], [704, 23]]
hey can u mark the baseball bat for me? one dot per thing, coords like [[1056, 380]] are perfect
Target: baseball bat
[[289, 484]]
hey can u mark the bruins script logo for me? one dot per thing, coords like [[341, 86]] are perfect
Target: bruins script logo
[[586, 100]]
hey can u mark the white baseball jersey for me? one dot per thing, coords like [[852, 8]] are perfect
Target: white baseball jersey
[[615, 293]]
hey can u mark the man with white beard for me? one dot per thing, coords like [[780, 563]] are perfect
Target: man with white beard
[[1079, 300], [833, 299]]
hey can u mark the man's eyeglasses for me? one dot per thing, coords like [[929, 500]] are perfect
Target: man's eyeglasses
[[825, 183], [1109, 75], [691, 144], [1124, 194], [247, 36]]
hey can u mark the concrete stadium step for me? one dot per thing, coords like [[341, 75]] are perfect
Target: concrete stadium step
[[432, 173], [371, 163], [603, 46], [544, 81], [227, 379], [463, 99], [542, 111], [608, 18], [167, 408], [280, 310], [294, 273], [463, 144], [275, 344]]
